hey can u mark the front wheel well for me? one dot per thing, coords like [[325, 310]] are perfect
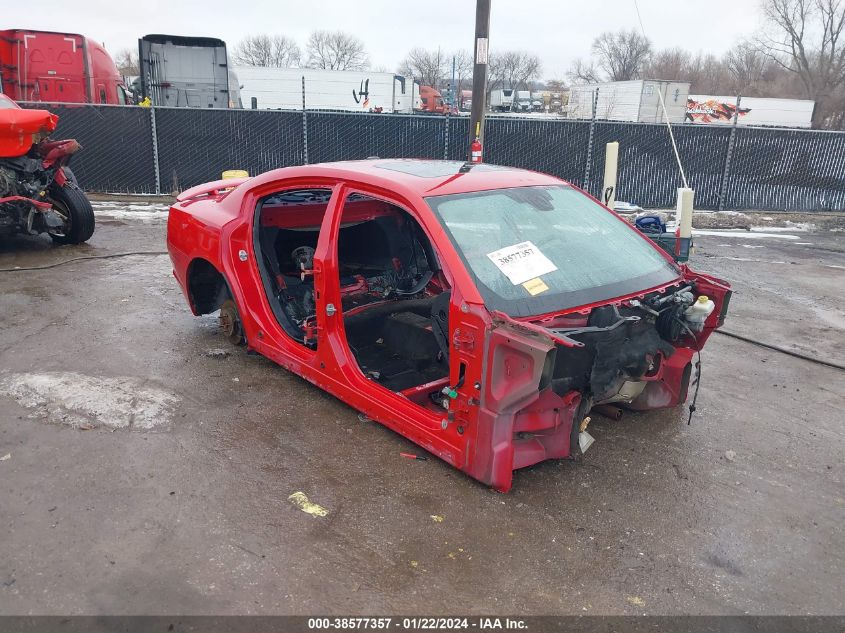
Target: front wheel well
[[207, 288]]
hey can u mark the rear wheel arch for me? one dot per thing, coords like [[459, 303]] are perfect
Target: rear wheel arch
[[207, 286]]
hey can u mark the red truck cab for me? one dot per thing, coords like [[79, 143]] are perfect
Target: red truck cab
[[431, 100], [57, 68]]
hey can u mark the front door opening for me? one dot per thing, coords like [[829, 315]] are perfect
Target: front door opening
[[395, 299]]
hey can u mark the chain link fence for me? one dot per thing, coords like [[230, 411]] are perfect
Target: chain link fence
[[557, 147], [648, 172], [336, 136], [117, 145], [786, 169], [161, 150], [195, 145]]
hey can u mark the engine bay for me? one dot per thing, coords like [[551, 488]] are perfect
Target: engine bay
[[614, 351]]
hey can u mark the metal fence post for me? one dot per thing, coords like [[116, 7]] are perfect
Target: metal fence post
[[723, 188], [304, 126], [155, 149], [586, 183], [446, 139]]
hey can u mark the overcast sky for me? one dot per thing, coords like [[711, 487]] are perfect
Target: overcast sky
[[557, 30]]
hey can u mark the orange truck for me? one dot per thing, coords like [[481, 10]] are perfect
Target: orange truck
[[431, 100]]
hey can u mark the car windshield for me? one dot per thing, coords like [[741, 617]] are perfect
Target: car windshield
[[534, 250]]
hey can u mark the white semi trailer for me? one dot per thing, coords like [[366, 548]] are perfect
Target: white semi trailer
[[721, 110], [637, 100], [265, 88]]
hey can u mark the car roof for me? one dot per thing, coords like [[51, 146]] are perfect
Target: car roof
[[425, 177]]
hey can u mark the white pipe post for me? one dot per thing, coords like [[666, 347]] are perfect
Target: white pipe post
[[684, 217], [611, 162]]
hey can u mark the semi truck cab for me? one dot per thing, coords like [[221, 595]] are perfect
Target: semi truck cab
[[58, 68]]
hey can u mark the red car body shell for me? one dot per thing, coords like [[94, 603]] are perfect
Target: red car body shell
[[498, 400]]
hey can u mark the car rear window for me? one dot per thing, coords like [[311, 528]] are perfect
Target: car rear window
[[7, 104], [534, 250]]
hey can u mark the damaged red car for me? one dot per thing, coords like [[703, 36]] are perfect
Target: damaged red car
[[480, 311], [38, 192]]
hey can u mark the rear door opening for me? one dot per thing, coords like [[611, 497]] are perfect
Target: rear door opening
[[286, 231]]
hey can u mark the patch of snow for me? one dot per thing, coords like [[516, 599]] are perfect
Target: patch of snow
[[792, 226], [147, 213], [626, 207], [147, 217], [744, 234], [78, 400], [748, 259]]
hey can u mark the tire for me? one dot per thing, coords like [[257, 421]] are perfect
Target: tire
[[70, 202]]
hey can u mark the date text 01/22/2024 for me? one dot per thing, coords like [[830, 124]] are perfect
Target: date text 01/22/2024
[[417, 624]]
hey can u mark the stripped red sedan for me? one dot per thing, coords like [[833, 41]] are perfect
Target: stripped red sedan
[[480, 311]]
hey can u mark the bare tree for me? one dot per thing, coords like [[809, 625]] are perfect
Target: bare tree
[[556, 85], [429, 67], [707, 75], [277, 51], [464, 66], [494, 73], [336, 50], [741, 69], [583, 72], [621, 55], [807, 38], [670, 63], [747, 67], [515, 69], [127, 63]]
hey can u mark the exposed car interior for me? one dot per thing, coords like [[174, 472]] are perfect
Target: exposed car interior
[[395, 299]]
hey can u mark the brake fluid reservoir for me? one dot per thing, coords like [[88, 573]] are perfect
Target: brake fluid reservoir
[[698, 312]]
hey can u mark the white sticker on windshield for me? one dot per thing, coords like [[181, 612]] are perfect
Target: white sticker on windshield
[[521, 262]]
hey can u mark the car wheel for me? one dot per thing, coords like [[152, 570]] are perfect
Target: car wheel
[[230, 323], [75, 210]]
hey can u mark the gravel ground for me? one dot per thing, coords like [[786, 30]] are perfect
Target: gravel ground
[[150, 467]]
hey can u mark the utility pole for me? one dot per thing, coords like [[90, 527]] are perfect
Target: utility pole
[[479, 74]]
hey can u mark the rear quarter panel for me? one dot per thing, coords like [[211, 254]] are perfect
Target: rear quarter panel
[[194, 231]]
